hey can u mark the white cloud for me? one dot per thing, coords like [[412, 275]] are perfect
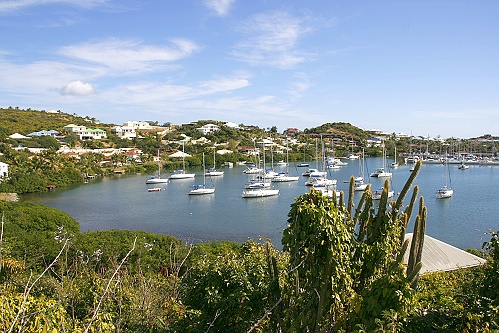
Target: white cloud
[[300, 85], [273, 39], [220, 7], [13, 5], [130, 56], [78, 88]]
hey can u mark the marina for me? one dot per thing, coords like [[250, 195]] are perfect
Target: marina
[[123, 202]]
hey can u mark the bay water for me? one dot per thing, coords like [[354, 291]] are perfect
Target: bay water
[[123, 202]]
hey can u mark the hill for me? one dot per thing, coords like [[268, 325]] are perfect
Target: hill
[[340, 130], [13, 120]]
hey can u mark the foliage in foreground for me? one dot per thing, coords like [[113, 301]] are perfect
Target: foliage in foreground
[[340, 271]]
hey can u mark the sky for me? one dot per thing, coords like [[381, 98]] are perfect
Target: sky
[[422, 67]]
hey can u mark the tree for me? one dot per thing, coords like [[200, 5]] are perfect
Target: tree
[[346, 266]]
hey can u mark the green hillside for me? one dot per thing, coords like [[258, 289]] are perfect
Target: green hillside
[[339, 129], [26, 121]]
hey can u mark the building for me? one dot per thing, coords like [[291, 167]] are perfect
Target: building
[[51, 133], [84, 133], [208, 128], [4, 170], [74, 128], [124, 132], [138, 125], [92, 134]]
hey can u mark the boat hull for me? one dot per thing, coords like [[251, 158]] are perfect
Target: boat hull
[[258, 193]]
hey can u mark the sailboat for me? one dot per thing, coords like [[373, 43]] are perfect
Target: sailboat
[[359, 184], [395, 164], [284, 176], [201, 189], [380, 172], [446, 190], [303, 164], [259, 187], [319, 178], [376, 195], [213, 171], [157, 179], [181, 174]]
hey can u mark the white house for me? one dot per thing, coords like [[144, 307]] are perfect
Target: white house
[[138, 125], [74, 128], [4, 170], [84, 133], [232, 125], [125, 132], [92, 134], [208, 128]]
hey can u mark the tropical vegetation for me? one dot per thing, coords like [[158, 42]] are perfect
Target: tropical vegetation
[[340, 270]]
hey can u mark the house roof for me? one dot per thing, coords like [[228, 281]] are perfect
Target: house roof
[[180, 154], [439, 256], [18, 136]]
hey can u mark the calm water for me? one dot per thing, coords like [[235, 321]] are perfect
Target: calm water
[[123, 202]]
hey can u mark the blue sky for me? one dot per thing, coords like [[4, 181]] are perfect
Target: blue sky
[[426, 67]]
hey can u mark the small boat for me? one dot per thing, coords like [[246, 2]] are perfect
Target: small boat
[[255, 184], [154, 189], [252, 170], [377, 194], [380, 172], [201, 189], [282, 163], [359, 185], [303, 164], [394, 164], [157, 179], [320, 181], [181, 174], [213, 171], [258, 193], [463, 166], [333, 166], [314, 173], [444, 192], [284, 177], [353, 157]]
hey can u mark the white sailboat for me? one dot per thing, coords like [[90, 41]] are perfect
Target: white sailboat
[[201, 189], [213, 171], [359, 184], [259, 187], [376, 195], [181, 174], [445, 191], [284, 176], [381, 172], [157, 179], [257, 193], [395, 164]]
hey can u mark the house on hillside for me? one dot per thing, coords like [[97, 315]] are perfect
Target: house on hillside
[[208, 128], [84, 133], [4, 170], [52, 133], [248, 150], [74, 128], [124, 132]]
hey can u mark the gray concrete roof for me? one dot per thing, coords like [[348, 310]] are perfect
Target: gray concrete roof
[[440, 256]]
